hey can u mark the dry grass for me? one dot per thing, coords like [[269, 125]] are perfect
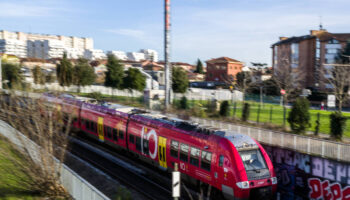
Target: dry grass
[[36, 169]]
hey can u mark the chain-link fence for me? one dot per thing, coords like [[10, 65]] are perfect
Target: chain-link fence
[[303, 144]]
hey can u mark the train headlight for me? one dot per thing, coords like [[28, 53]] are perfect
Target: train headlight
[[243, 185], [274, 180]]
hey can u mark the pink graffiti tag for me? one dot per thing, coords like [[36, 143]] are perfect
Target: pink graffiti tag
[[323, 190]]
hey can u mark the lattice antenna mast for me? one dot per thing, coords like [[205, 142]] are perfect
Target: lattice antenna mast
[[167, 52]]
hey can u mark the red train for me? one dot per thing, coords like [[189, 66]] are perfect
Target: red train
[[236, 165]]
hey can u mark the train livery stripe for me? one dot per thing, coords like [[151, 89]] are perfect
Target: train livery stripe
[[100, 129], [162, 152]]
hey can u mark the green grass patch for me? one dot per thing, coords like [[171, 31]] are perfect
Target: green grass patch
[[11, 186]]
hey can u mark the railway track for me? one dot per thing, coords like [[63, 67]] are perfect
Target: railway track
[[127, 174]]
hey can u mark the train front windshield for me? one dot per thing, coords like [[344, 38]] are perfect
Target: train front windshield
[[252, 159]]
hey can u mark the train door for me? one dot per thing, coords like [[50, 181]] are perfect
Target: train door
[[220, 173], [162, 152], [100, 128]]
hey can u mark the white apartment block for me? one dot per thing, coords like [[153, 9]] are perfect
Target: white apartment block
[[43, 46], [121, 55], [13, 47], [150, 54], [94, 54], [136, 56]]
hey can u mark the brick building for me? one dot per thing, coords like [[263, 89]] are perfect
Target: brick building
[[309, 55], [223, 69]]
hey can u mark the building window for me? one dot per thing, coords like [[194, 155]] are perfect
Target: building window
[[333, 41], [332, 51], [295, 55]]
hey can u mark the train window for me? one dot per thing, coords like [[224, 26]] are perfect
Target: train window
[[131, 139], [115, 134], [194, 157], [91, 126], [221, 160], [121, 134], [94, 127], [206, 160], [109, 132], [145, 146], [174, 150], [138, 143], [184, 152]]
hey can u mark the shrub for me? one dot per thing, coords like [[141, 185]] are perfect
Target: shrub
[[338, 124], [183, 103], [212, 106], [245, 112], [198, 111], [299, 116], [96, 95], [224, 109]]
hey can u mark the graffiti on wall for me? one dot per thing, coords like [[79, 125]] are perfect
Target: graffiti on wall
[[302, 176]]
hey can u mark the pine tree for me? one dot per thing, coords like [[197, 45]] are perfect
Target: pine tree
[[84, 74], [115, 73], [299, 116], [11, 73], [38, 76], [199, 68], [64, 72], [179, 80], [134, 80]]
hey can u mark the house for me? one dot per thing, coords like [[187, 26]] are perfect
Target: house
[[223, 69], [309, 55]]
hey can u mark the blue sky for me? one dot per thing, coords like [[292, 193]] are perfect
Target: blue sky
[[240, 29]]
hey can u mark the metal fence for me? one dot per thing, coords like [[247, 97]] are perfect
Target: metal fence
[[303, 144], [77, 187]]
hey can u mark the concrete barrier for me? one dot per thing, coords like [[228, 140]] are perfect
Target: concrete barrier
[[72, 182]]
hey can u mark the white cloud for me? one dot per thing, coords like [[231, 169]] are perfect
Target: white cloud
[[25, 8], [245, 35], [139, 34]]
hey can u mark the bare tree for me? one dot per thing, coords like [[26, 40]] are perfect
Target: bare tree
[[241, 81], [338, 77], [288, 77], [41, 144]]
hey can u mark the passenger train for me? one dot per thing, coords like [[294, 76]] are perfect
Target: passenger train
[[235, 165]]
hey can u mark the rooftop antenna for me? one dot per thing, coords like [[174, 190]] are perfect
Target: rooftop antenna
[[321, 26]]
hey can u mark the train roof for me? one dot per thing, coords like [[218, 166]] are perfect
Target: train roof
[[240, 141]]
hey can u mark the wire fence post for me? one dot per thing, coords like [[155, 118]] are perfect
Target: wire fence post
[[258, 114], [284, 116], [317, 127], [271, 114], [234, 109]]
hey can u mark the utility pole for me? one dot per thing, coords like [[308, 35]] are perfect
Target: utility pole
[[0, 73], [167, 52]]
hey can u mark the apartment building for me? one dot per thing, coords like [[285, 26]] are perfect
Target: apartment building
[[43, 46], [13, 47], [309, 55], [121, 55], [136, 56], [94, 54], [223, 69], [150, 54]]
